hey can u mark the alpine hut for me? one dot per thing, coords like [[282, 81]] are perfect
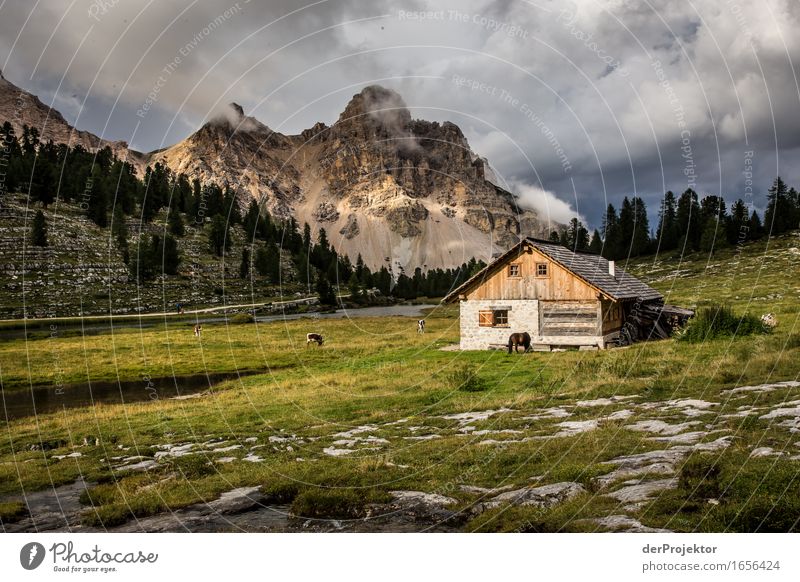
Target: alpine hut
[[560, 297]]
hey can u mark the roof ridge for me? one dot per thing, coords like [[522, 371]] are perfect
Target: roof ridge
[[581, 264]]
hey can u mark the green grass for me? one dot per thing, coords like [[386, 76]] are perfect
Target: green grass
[[12, 511], [379, 372]]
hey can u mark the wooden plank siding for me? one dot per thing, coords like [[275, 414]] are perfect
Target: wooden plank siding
[[612, 316], [569, 318], [558, 285]]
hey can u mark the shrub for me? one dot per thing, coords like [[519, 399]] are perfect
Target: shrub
[[720, 321], [466, 379], [241, 318]]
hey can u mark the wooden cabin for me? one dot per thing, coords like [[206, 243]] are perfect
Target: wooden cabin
[[560, 297]]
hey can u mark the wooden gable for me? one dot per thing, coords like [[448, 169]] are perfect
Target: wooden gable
[[529, 274]]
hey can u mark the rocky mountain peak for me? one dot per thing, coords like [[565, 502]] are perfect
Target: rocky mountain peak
[[237, 109], [401, 192], [232, 119], [375, 112]]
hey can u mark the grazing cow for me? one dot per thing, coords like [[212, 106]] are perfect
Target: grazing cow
[[198, 329], [421, 326], [314, 338], [769, 320], [519, 339]]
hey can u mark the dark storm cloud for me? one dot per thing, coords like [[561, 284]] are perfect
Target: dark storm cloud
[[587, 101]]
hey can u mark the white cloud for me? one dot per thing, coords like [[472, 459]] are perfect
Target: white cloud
[[549, 206]]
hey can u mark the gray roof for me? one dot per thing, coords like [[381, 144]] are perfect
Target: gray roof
[[590, 267]]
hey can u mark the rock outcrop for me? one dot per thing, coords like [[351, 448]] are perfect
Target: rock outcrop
[[21, 108]]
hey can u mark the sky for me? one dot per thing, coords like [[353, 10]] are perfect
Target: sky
[[574, 104]]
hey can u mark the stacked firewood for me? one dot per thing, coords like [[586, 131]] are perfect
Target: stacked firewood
[[652, 320]]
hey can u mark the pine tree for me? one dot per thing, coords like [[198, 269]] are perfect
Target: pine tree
[[273, 272], [165, 257], [119, 230], [39, 230], [141, 264], [708, 239], [251, 221], [354, 287], [231, 207], [97, 209], [304, 271], [738, 226], [756, 230], [175, 222], [384, 281], [219, 240], [325, 292], [596, 244], [360, 268], [577, 237], [779, 216], [306, 237], [555, 238], [667, 232], [244, 266], [640, 241], [611, 234], [688, 220]]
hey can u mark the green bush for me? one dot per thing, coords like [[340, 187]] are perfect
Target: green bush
[[241, 318], [466, 379], [720, 321]]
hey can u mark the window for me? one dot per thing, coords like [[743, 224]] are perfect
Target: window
[[541, 269], [514, 270], [493, 318]]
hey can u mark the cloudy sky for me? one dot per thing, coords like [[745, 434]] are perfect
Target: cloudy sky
[[575, 104]]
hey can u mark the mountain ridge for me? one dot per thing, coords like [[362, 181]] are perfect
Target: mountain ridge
[[402, 192]]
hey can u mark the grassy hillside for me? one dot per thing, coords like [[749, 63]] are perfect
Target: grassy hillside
[[757, 277], [661, 435]]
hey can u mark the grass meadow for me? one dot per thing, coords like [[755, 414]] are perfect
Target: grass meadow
[[332, 431]]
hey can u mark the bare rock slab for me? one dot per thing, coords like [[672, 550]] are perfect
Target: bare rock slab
[[543, 496]]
